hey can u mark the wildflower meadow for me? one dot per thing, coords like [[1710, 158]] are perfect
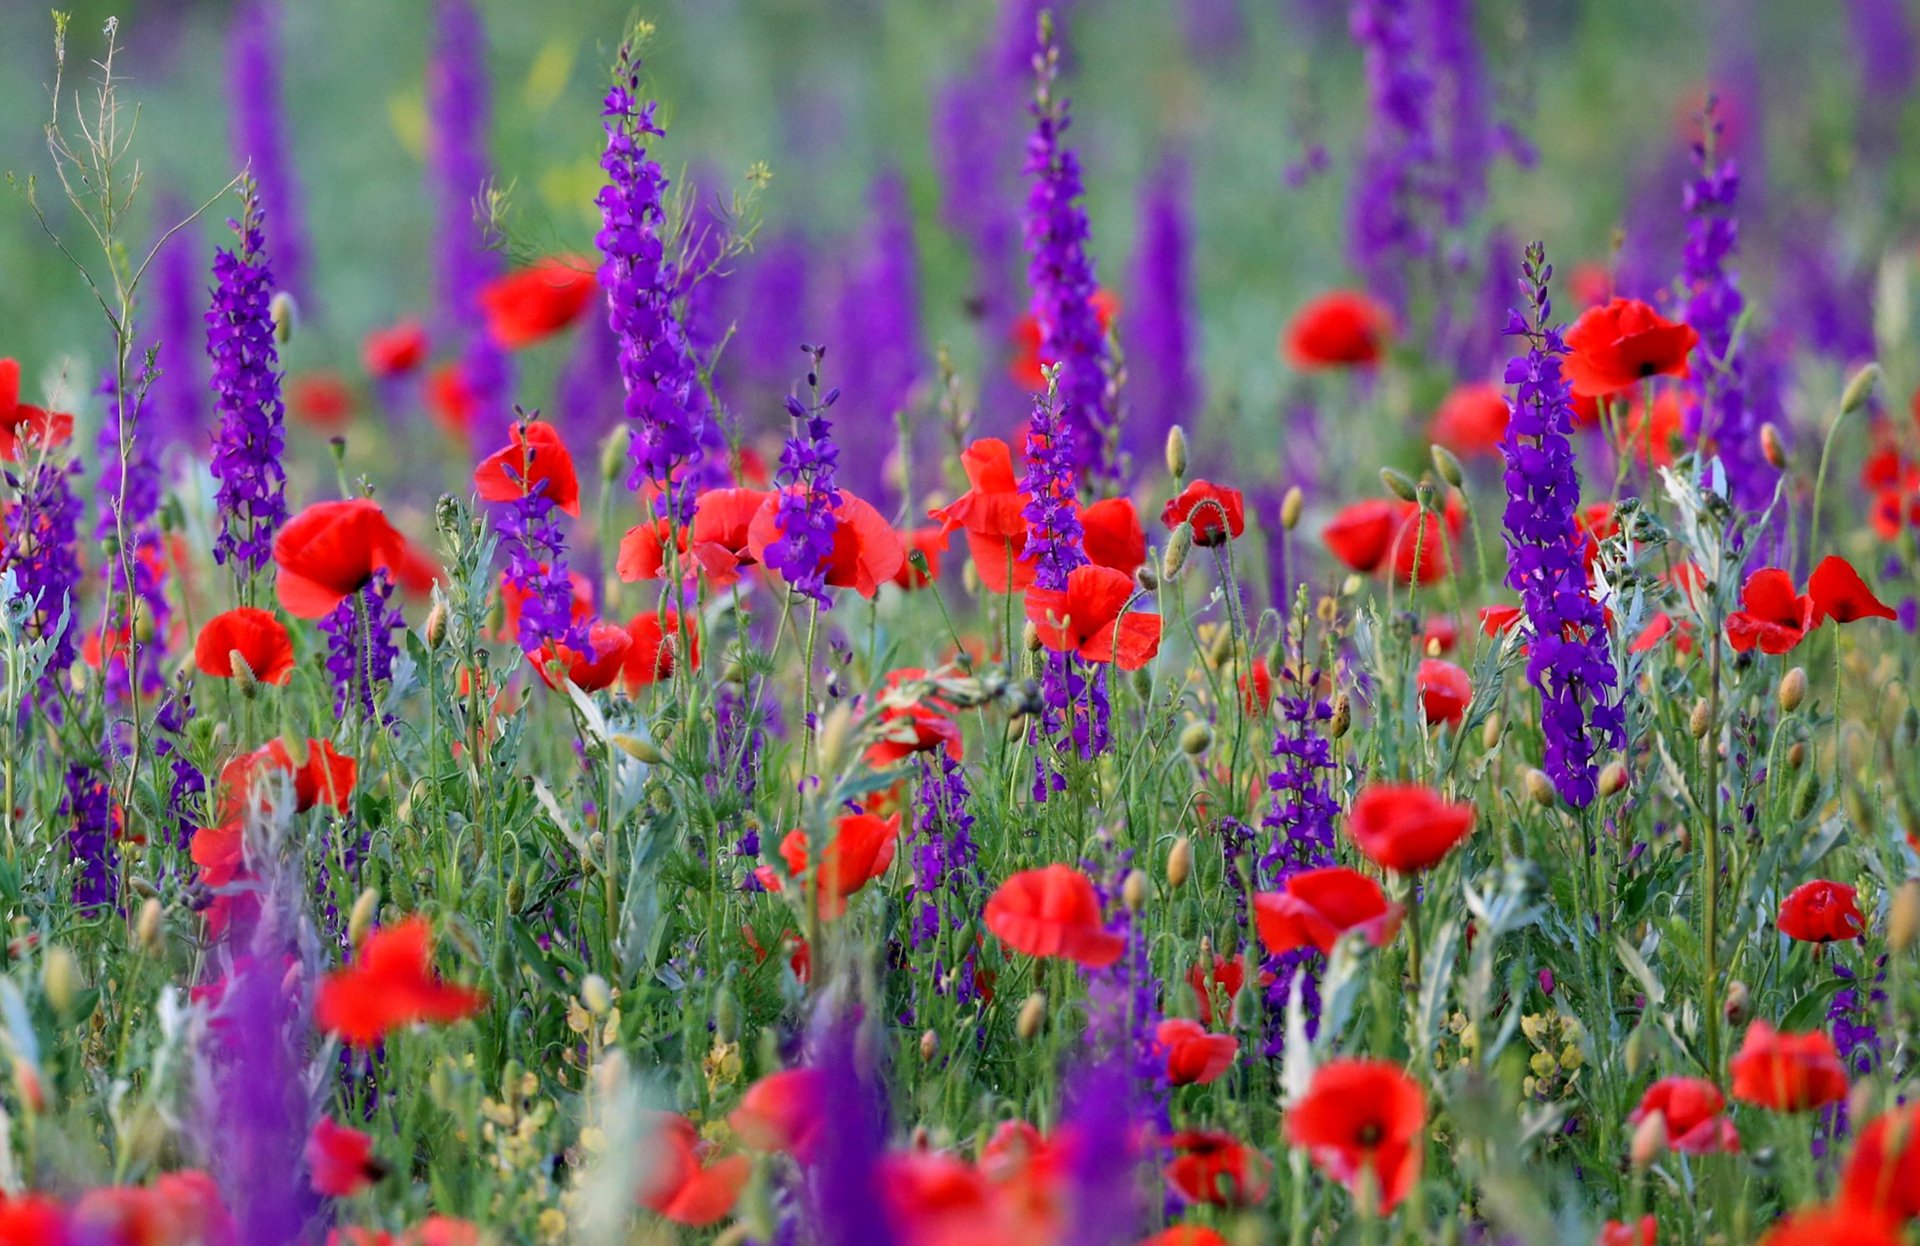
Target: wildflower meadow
[[960, 623]]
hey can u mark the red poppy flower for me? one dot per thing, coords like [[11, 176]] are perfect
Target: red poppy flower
[[392, 984], [326, 775], [862, 849], [681, 1183], [32, 1219], [1499, 620], [1692, 1108], [1089, 617], [1406, 828], [452, 399], [1838, 1225], [328, 552], [1215, 511], [1617, 1233], [784, 1111], [991, 513], [1821, 912], [442, 1231], [1658, 628], [395, 350], [906, 730], [1838, 593], [1256, 689], [1882, 1175], [587, 671], [1422, 546], [1445, 691], [1216, 1168], [929, 543], [534, 462], [415, 570], [1186, 1235], [1472, 420], [1194, 1057], [1772, 615], [715, 542], [258, 638], [1225, 975], [1649, 439], [867, 552], [1053, 911], [655, 638], [1338, 330], [1029, 339], [320, 400], [23, 423], [1440, 635], [1363, 1117], [513, 600], [534, 303], [1113, 536], [1787, 1072], [340, 1160], [1621, 344], [1361, 535], [1315, 907]]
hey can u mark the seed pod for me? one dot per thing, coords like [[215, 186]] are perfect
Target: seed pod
[[1133, 892], [60, 978], [436, 629], [1342, 717], [1859, 388], [1399, 484], [146, 927], [1176, 452], [1806, 794], [1613, 778], [360, 918], [1033, 1015], [1796, 754], [639, 748], [1793, 690], [285, 313], [1142, 683], [1540, 788], [1174, 560], [1179, 861], [1448, 467], [1196, 739], [1031, 637], [1147, 577], [1771, 447], [1903, 923], [929, 1044], [1490, 732], [1700, 720], [1290, 507], [1649, 1140]]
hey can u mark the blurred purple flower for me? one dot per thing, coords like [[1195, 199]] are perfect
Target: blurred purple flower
[[1163, 377], [879, 325], [259, 129]]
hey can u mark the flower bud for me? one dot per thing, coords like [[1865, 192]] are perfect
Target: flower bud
[[1738, 1004], [613, 458], [436, 629], [1771, 447], [597, 996], [1448, 467], [1796, 754], [1540, 788], [60, 979], [1179, 861], [26, 1081], [1701, 720], [1147, 577], [1490, 731], [360, 918], [639, 748], [1859, 388], [1290, 507], [970, 577], [1033, 1015], [1342, 717], [1613, 778], [1133, 892], [1352, 585], [284, 312], [1903, 923], [1649, 1140], [1174, 560], [146, 927], [1399, 484], [1196, 739], [1031, 637], [929, 1044], [1793, 690], [1176, 452]]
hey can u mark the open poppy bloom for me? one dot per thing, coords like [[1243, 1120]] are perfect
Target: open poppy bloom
[[1053, 911], [588, 671], [992, 513], [1771, 614], [1341, 329], [714, 543], [867, 552], [395, 350], [340, 1160], [323, 401], [1499, 620], [1838, 593], [1186, 1235], [22, 425], [179, 1209], [680, 1181], [1215, 511], [1648, 436], [1839, 1225], [1406, 828], [929, 543], [909, 729], [1472, 420], [1445, 691], [254, 636], [329, 552], [1821, 912], [392, 984], [1194, 1057], [326, 775], [654, 640], [1693, 1109], [1363, 1118], [1388, 533], [1029, 339], [535, 302], [1216, 1168], [1621, 343], [1422, 546], [1619, 1233], [783, 1111], [1787, 1072], [1111, 532], [1225, 975], [1882, 1175], [861, 849], [1089, 617], [33, 1220], [533, 462], [1315, 907]]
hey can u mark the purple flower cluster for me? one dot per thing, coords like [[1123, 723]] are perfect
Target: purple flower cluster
[[976, 150], [945, 858], [807, 515], [179, 391], [360, 663], [88, 810], [259, 131], [139, 476], [666, 405], [252, 496], [1399, 153], [1299, 819], [1060, 273], [537, 574], [40, 552], [1568, 661], [1163, 385], [187, 783], [1123, 1007], [879, 324]]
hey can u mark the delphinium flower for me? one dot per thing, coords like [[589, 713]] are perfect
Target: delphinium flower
[[879, 324], [946, 863], [1856, 1036], [976, 151], [252, 494], [806, 514], [360, 655], [1883, 42], [1567, 659], [40, 552], [1163, 385], [666, 406], [185, 782], [259, 131], [1461, 110], [1123, 1010], [177, 399], [1103, 1164], [1055, 546], [536, 548], [847, 1173], [1060, 273], [87, 810], [1387, 235], [137, 514]]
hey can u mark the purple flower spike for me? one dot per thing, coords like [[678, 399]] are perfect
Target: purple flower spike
[[252, 496]]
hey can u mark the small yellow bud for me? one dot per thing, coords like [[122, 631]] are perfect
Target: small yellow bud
[[285, 313], [1793, 690], [1290, 507], [1613, 779], [1859, 388], [929, 1044], [1701, 720], [1540, 788], [360, 919], [1448, 467], [1796, 754], [1179, 861], [146, 927], [60, 978], [436, 628], [596, 995], [1352, 585], [1176, 452], [1342, 717], [1031, 637], [639, 748], [1133, 892], [1490, 732], [1196, 739], [1033, 1015]]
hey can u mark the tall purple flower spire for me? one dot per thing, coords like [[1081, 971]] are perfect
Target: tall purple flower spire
[[1568, 660], [177, 398], [807, 514], [946, 862], [1060, 272], [536, 571], [87, 810], [1392, 180], [139, 479], [1163, 383], [359, 663], [879, 322], [40, 552], [252, 496], [259, 128], [976, 150]]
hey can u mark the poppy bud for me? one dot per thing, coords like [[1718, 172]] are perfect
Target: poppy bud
[[1351, 586], [1903, 921], [1806, 795], [1448, 466], [26, 1080], [970, 577], [1770, 447], [1540, 788], [1700, 720], [1290, 507], [1219, 647], [1399, 484], [1342, 717], [142, 624], [1636, 1053], [1859, 388], [60, 979], [146, 927], [638, 748], [1133, 892], [1613, 778], [613, 458], [284, 312], [1196, 739], [1176, 452], [1143, 683], [1796, 754], [436, 629], [835, 728], [1793, 690], [929, 1043], [1146, 577], [1174, 560], [1738, 1005], [598, 997], [1649, 1140], [1030, 637], [1490, 732], [1179, 861], [1033, 1014], [361, 917]]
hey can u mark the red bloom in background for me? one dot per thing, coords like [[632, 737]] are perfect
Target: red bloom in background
[[1361, 534], [395, 350], [1363, 1116], [1194, 1057], [1838, 1225], [452, 400], [654, 637], [1620, 344], [1445, 691], [1256, 689], [1053, 911], [320, 400], [1821, 912], [867, 552], [1771, 616], [442, 1231], [1216, 1168], [1315, 907], [1499, 620], [1406, 828], [1882, 1175], [589, 672], [1591, 284], [256, 636], [538, 301], [1338, 330], [1787, 1072], [1649, 438], [1215, 511], [1225, 974], [392, 984], [21, 422], [32, 1219], [513, 599], [1440, 635], [862, 849], [715, 542], [991, 513], [1112, 535], [329, 551], [534, 461], [909, 729], [784, 1111], [1089, 617], [929, 543], [340, 1160], [679, 1183], [1838, 593], [1186, 1235], [1423, 543], [1029, 339], [1617, 1233], [1692, 1108], [1472, 420], [326, 775]]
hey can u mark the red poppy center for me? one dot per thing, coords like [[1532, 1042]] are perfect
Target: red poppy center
[[1369, 1134]]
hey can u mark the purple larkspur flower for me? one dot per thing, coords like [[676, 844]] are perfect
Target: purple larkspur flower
[[185, 782], [259, 131], [360, 655], [537, 571], [1100, 1114], [879, 325], [129, 498], [247, 445], [256, 1109], [776, 283], [41, 553], [1387, 235], [946, 863], [1567, 660], [807, 513], [848, 1206], [1163, 382], [87, 810], [178, 396]]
